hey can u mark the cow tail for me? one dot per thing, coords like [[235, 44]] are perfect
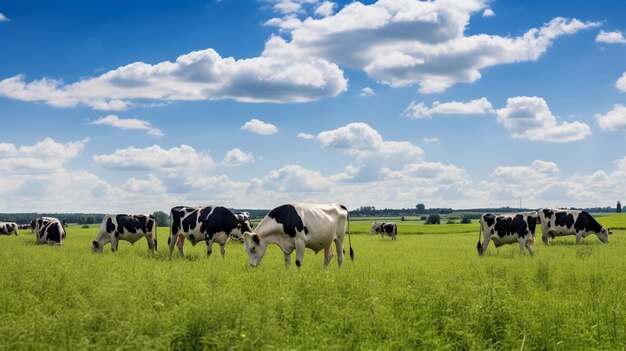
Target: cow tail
[[349, 237], [480, 232], [156, 237]]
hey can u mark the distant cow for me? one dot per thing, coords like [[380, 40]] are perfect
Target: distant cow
[[209, 224], [556, 222], [116, 227], [241, 217], [8, 228], [35, 224], [49, 231], [508, 229], [295, 226], [389, 229]]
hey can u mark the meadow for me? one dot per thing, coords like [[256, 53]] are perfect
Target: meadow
[[427, 290]]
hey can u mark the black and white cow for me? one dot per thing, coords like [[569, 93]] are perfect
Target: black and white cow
[[385, 228], [49, 230], [555, 222], [241, 217], [208, 224], [508, 229], [295, 226], [116, 227], [8, 228]]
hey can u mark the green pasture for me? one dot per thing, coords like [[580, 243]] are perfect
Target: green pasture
[[428, 290]]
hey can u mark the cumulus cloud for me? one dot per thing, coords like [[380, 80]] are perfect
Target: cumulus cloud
[[3, 18], [151, 183], [325, 9], [293, 178], [614, 119], [128, 124], [236, 157], [488, 13], [615, 37], [474, 107], [621, 83], [184, 158], [259, 127], [406, 42], [198, 75], [367, 91], [44, 156], [305, 136], [530, 118], [359, 139]]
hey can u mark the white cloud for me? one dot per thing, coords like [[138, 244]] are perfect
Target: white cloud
[[325, 9], [198, 75], [3, 18], [305, 136], [614, 119], [236, 157], [128, 124], [406, 42], [149, 184], [361, 140], [621, 83], [474, 107], [431, 140], [530, 118], [488, 13], [615, 37], [259, 127], [177, 159], [367, 91], [295, 179]]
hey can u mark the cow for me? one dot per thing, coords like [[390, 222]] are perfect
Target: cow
[[296, 226], [209, 224], [8, 228], [389, 229], [35, 224], [556, 222], [508, 229], [116, 227], [49, 230], [241, 217]]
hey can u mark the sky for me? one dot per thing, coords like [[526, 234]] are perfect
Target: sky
[[116, 106]]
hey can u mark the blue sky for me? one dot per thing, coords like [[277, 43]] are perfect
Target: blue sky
[[134, 107]]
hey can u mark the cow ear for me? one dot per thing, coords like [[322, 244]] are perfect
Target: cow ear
[[256, 239]]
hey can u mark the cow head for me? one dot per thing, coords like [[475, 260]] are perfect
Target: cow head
[[604, 235], [255, 248], [242, 227], [96, 246]]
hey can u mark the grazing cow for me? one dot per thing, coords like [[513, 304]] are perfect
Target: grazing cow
[[49, 231], [35, 224], [8, 228], [241, 217], [295, 226], [23, 226], [556, 222], [385, 228], [209, 224], [507, 229], [116, 227]]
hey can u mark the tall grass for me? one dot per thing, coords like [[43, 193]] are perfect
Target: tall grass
[[427, 290]]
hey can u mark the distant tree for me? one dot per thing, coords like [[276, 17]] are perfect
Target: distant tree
[[466, 219], [619, 207], [90, 220], [421, 208], [423, 218], [162, 218], [433, 219], [402, 219]]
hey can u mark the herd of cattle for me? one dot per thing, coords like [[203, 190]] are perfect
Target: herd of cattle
[[296, 226]]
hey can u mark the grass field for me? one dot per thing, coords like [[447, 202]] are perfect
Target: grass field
[[427, 290]]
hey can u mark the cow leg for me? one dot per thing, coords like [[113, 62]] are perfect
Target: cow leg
[[578, 237], [328, 255], [484, 246], [114, 241], [151, 243], [521, 245], [339, 249], [529, 247], [209, 247], [223, 250], [287, 259], [180, 242]]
